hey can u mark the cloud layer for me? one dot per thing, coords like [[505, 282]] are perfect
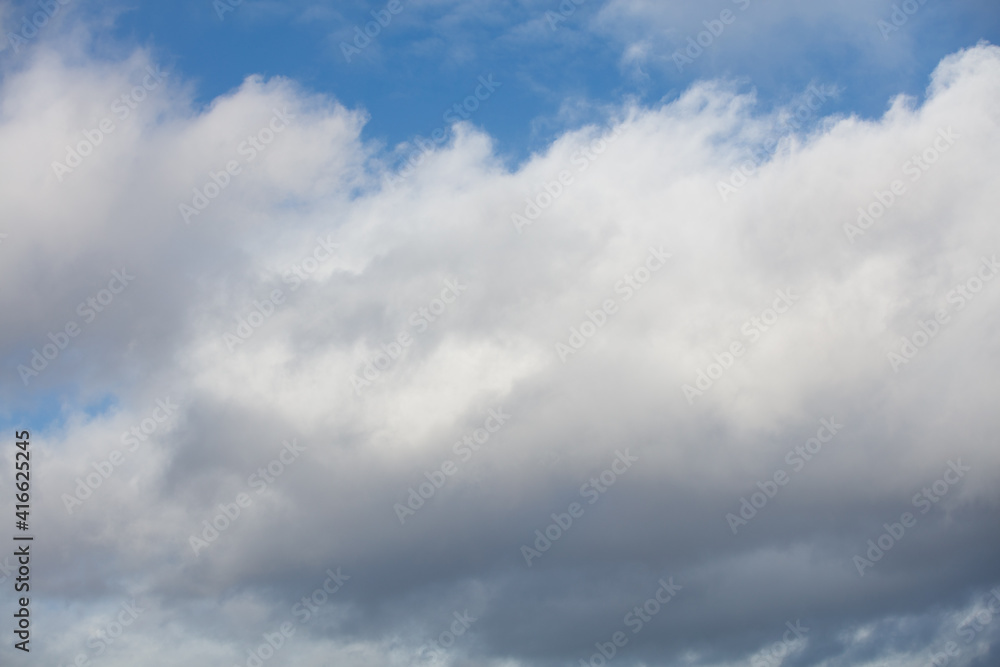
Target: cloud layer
[[684, 297]]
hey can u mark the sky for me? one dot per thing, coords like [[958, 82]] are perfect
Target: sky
[[508, 334]]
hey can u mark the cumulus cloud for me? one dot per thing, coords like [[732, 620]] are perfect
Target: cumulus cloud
[[691, 283]]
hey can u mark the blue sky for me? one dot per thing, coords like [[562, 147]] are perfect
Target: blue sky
[[430, 55]]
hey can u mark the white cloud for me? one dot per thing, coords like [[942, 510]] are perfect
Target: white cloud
[[655, 185]]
